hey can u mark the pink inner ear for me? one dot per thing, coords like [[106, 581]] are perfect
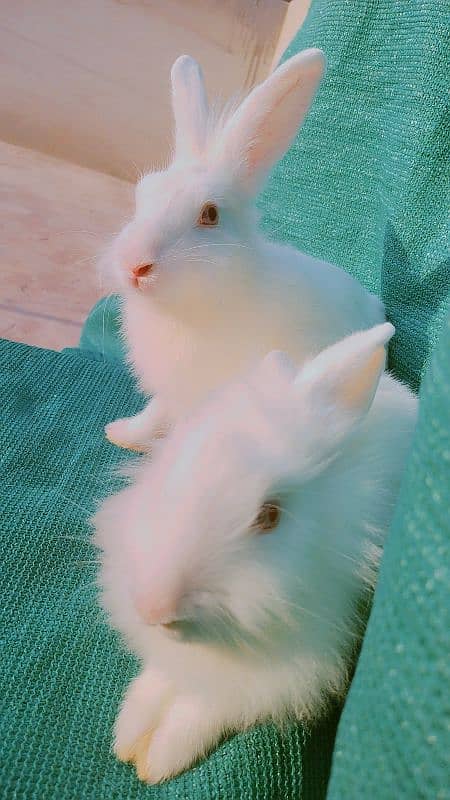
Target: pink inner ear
[[272, 140], [267, 121], [359, 391]]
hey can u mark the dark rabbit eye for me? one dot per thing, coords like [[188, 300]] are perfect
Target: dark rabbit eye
[[209, 215], [268, 517]]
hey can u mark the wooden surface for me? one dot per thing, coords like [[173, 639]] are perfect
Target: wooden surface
[[293, 20], [54, 217], [88, 81]]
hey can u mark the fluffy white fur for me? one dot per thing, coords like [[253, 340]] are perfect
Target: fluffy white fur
[[218, 298], [235, 626]]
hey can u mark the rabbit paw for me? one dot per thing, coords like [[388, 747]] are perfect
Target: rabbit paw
[[120, 432], [141, 709], [135, 433], [184, 734]]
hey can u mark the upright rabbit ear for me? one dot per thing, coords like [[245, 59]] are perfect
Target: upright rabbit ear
[[264, 125], [343, 378], [190, 107]]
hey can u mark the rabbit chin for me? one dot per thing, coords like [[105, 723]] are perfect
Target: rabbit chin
[[252, 670], [242, 683]]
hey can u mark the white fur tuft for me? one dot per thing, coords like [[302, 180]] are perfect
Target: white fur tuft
[[263, 625]]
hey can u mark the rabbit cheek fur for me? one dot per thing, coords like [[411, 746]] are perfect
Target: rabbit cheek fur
[[235, 626], [219, 297]]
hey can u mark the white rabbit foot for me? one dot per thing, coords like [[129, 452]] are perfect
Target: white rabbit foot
[[142, 707], [182, 735], [136, 433], [119, 433]]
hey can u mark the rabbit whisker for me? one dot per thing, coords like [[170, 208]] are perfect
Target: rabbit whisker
[[74, 503], [105, 309], [316, 544], [214, 244], [70, 538], [321, 618]]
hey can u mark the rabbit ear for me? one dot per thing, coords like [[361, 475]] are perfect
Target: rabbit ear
[[345, 376], [190, 107], [277, 367], [264, 125]]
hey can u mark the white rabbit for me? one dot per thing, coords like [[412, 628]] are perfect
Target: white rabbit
[[236, 560], [204, 292]]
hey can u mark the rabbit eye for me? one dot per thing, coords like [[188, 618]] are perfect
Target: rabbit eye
[[209, 215], [268, 517]]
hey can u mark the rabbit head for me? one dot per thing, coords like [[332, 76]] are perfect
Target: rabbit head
[[192, 240], [229, 532]]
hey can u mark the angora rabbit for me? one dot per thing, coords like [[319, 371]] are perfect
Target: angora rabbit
[[236, 560], [204, 292]]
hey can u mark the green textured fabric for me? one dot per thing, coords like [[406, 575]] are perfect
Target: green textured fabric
[[393, 739], [63, 669], [366, 184]]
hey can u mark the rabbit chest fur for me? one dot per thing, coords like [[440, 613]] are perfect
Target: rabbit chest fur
[[238, 620], [285, 308], [204, 293]]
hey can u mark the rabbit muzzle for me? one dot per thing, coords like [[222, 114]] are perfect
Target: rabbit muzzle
[[139, 273]]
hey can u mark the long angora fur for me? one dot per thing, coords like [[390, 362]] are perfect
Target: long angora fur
[[236, 622], [212, 299]]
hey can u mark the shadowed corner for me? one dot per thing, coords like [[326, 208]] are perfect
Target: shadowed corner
[[417, 314]]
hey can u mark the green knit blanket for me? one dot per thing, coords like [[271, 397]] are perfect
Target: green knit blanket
[[365, 186], [63, 670]]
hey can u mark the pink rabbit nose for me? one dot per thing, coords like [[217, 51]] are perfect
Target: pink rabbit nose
[[140, 271], [155, 613]]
